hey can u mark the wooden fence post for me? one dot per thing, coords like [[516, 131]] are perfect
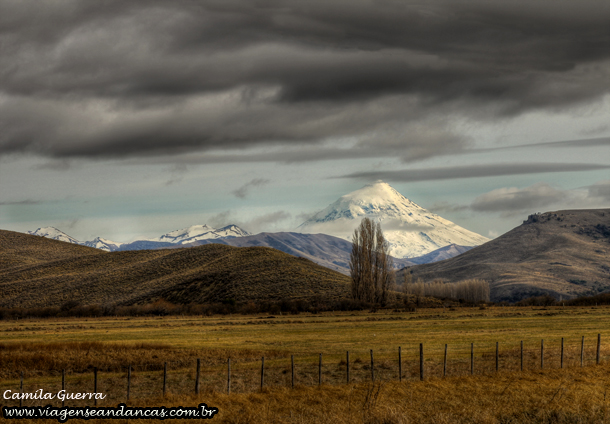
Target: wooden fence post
[[542, 354], [421, 361], [229, 376], [445, 362], [561, 366], [63, 385], [320, 371], [399, 364], [292, 369], [471, 358], [198, 376], [582, 352], [347, 355], [164, 378], [21, 391], [497, 355], [95, 385], [372, 367], [262, 372], [599, 342], [128, 380]]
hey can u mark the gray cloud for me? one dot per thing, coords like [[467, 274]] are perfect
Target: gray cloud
[[537, 196], [474, 171], [601, 190], [126, 79], [511, 201], [21, 202], [273, 221], [243, 191], [177, 173]]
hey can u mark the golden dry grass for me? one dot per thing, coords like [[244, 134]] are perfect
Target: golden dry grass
[[578, 395]]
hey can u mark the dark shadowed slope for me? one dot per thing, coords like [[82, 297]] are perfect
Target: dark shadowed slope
[[331, 252], [564, 253], [208, 273]]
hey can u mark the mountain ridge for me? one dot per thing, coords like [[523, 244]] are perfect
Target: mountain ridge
[[562, 253]]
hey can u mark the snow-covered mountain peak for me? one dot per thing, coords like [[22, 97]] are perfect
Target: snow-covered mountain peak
[[103, 244], [201, 232], [411, 230], [53, 233]]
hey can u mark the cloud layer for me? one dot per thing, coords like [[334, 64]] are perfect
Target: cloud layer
[[149, 78]]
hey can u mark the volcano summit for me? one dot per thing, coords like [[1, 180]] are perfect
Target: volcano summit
[[410, 229]]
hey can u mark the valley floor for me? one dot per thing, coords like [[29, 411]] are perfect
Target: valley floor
[[543, 392]]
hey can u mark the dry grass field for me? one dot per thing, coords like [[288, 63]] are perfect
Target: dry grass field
[[42, 348]]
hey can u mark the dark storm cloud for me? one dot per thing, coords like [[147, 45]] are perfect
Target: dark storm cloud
[[473, 171], [116, 78]]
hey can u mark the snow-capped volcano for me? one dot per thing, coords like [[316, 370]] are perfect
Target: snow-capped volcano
[[201, 232], [410, 229], [54, 233]]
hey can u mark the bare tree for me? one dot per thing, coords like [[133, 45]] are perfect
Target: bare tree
[[371, 266]]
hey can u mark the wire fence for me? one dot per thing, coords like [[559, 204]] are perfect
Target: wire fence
[[412, 361]]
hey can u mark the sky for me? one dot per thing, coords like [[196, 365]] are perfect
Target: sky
[[130, 119]]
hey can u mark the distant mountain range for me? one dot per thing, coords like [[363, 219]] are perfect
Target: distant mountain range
[[416, 235], [411, 230], [563, 254], [184, 237], [331, 252]]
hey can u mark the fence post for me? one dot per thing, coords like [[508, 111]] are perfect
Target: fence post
[[599, 342], [561, 366], [262, 372], [292, 368], [95, 385], [229, 376], [445, 362], [471, 358], [348, 367], [582, 351], [320, 371], [399, 364], [497, 355], [63, 384], [128, 380], [197, 377], [21, 391], [542, 354], [372, 367], [421, 361], [164, 377], [522, 355]]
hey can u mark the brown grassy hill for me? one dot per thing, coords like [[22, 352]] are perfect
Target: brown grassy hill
[[563, 253], [208, 273], [18, 249]]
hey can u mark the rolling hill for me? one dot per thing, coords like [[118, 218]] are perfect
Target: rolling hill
[[39, 272], [564, 254]]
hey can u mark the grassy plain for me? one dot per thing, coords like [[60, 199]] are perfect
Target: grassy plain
[[42, 348]]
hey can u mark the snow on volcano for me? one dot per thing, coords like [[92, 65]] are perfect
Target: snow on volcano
[[410, 229]]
